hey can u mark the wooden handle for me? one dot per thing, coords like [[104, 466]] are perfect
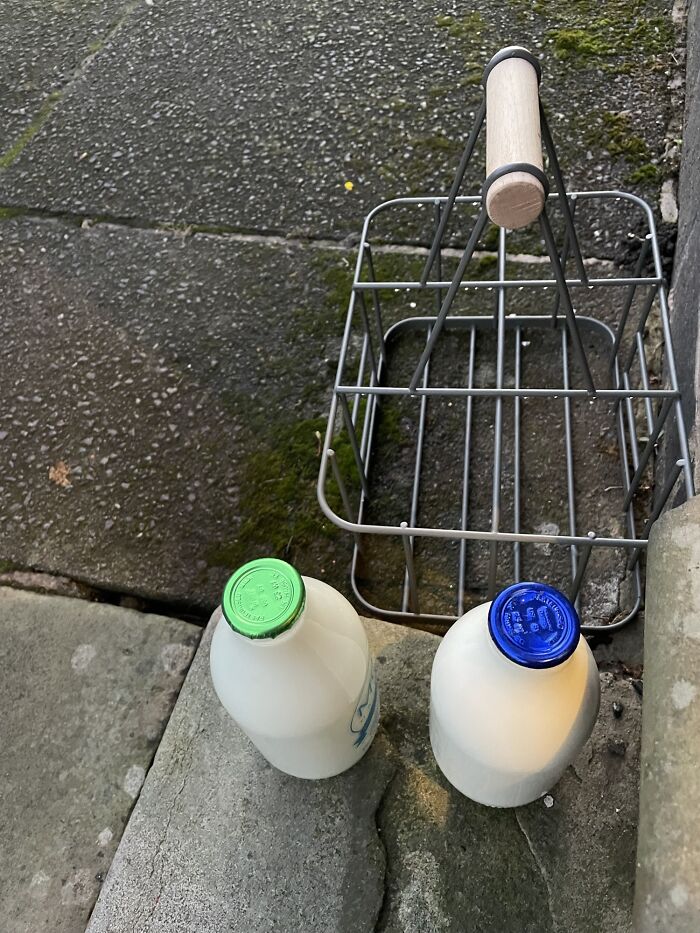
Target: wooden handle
[[513, 135]]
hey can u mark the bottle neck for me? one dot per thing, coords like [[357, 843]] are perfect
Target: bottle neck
[[280, 641]]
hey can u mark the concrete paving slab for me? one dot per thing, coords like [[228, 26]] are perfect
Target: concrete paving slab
[[221, 841], [213, 114], [161, 398], [44, 45], [86, 691]]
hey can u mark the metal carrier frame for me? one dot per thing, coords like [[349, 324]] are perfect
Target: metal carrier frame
[[630, 389]]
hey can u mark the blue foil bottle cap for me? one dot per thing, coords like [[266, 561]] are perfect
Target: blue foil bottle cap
[[534, 625]]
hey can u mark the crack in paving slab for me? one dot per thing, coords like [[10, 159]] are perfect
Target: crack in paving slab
[[540, 868], [52, 100], [160, 847], [382, 913], [262, 236]]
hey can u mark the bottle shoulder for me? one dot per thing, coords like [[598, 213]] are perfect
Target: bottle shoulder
[[331, 609], [468, 664], [304, 677]]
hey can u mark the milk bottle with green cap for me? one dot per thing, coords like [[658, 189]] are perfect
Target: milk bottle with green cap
[[291, 665], [514, 695]]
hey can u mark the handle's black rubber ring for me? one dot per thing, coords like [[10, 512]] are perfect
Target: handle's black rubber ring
[[514, 52], [515, 167]]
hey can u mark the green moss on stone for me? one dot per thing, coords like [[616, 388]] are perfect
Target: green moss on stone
[[466, 27], [438, 143], [647, 174], [7, 213], [578, 43], [474, 75], [389, 425], [483, 268], [613, 131], [586, 37], [278, 494], [13, 153], [490, 238], [337, 275]]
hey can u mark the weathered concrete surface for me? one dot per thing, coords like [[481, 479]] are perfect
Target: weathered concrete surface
[[44, 46], [668, 875], [216, 113], [161, 398], [85, 692], [685, 294], [221, 841]]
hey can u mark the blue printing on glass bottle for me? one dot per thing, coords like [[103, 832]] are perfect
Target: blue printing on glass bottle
[[363, 718], [534, 625]]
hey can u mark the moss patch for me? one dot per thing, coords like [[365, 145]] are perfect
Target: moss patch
[[278, 493], [337, 276], [466, 30], [7, 213], [648, 174], [483, 268], [587, 38], [614, 132], [18, 146], [467, 27], [577, 43], [438, 143], [281, 515]]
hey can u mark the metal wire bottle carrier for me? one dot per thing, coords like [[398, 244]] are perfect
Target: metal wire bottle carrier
[[449, 430]]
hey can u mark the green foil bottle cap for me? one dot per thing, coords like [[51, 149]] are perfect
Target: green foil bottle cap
[[263, 598]]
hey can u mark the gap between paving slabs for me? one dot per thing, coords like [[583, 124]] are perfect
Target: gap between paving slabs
[[53, 585]]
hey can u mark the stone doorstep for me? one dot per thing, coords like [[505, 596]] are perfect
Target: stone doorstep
[[219, 840], [668, 870]]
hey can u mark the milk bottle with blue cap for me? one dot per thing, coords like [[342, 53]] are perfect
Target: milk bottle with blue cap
[[514, 695], [291, 665]]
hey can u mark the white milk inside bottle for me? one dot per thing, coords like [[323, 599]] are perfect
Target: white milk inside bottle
[[291, 665], [514, 695]]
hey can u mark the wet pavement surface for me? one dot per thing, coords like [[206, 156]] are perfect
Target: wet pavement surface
[[220, 113], [157, 428], [44, 45], [164, 393]]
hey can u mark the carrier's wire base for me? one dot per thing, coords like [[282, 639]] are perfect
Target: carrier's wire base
[[393, 319]]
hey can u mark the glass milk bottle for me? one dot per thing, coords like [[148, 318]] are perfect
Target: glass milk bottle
[[514, 695], [291, 665]]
